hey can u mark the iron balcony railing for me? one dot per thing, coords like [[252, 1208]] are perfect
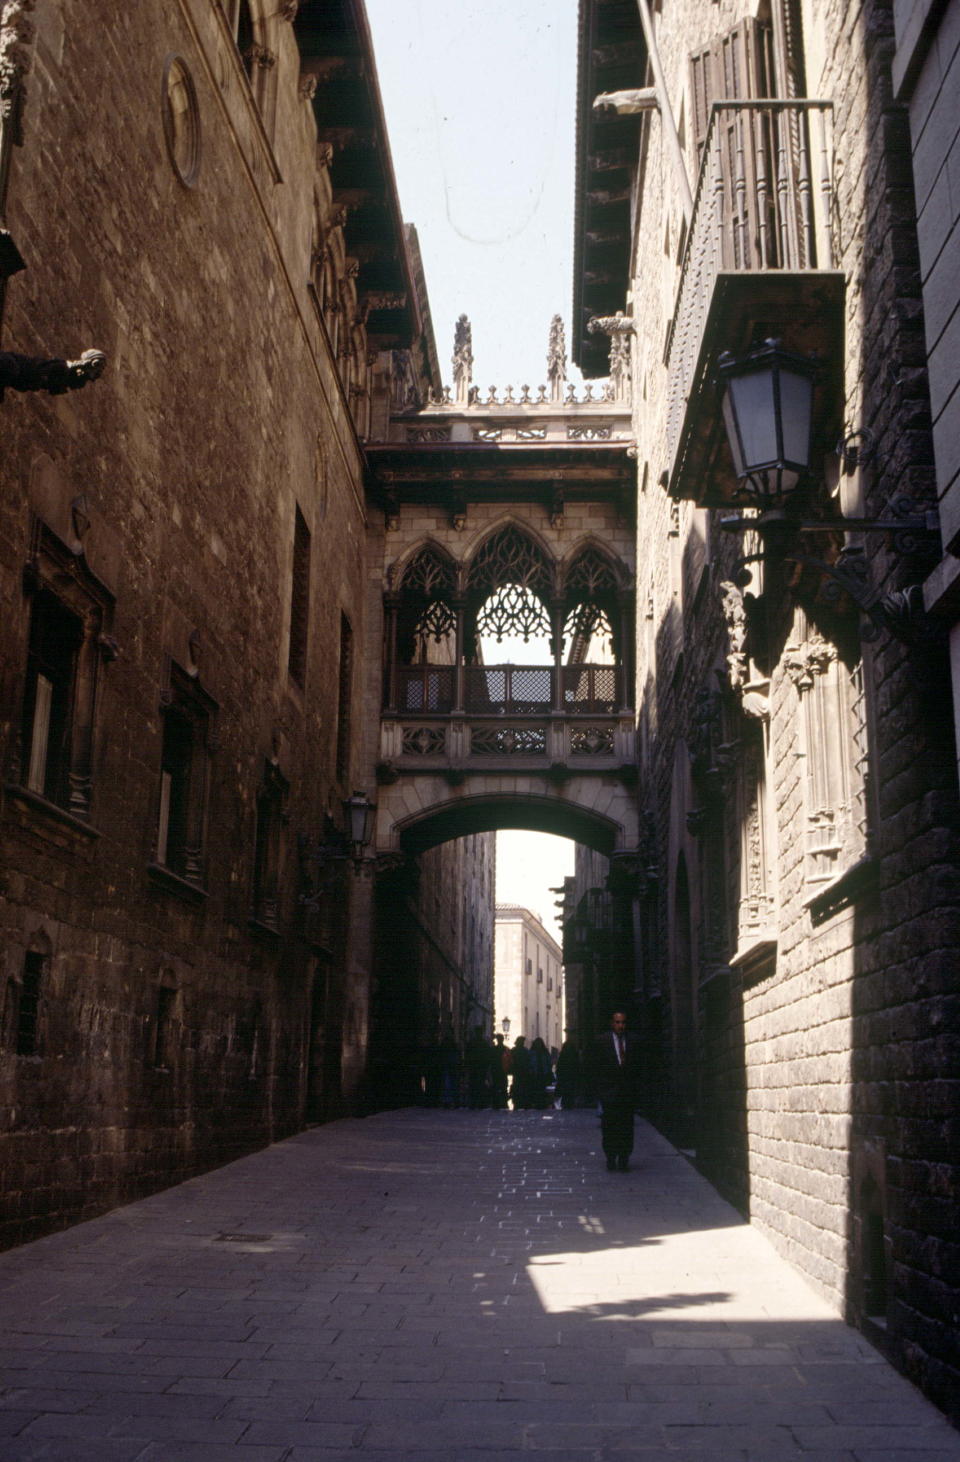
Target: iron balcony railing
[[514, 690], [764, 202]]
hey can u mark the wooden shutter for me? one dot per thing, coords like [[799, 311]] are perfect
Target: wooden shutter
[[737, 64]]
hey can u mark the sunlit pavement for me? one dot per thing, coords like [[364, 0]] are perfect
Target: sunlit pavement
[[438, 1285]]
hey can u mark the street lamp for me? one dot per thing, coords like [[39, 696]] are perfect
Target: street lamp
[[768, 415], [506, 1025], [359, 814]]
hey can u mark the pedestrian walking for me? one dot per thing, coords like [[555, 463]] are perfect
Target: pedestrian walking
[[541, 1073], [520, 1085], [478, 1069], [568, 1075], [501, 1062], [615, 1079]]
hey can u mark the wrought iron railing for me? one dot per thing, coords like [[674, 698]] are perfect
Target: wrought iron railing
[[764, 202], [591, 690], [512, 690], [515, 690], [426, 688]]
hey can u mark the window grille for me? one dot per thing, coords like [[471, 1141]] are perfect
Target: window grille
[[299, 601], [161, 1053], [344, 698], [271, 802], [181, 811], [68, 616], [27, 1027]]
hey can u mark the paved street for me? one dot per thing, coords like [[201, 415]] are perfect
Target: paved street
[[438, 1285]]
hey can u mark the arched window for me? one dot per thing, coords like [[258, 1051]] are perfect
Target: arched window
[[591, 610], [427, 621], [508, 582]]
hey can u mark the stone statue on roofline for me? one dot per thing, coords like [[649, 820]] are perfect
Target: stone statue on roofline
[[620, 329], [557, 359], [462, 361]]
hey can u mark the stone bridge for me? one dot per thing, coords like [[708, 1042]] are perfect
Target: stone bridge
[[509, 518]]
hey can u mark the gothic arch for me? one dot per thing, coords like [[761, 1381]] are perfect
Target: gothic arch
[[622, 576], [591, 593], [519, 525], [538, 812], [399, 569], [509, 585]]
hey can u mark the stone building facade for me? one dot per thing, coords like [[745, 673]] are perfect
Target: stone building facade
[[528, 978], [188, 623], [434, 963], [796, 889]]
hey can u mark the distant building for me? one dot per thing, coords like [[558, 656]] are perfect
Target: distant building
[[528, 978]]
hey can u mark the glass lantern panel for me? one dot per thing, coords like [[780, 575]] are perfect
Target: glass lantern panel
[[754, 406], [796, 402]]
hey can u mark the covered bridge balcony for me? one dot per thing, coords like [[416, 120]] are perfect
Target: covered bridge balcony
[[446, 708]]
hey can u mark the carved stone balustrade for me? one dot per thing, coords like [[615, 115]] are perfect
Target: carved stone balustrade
[[554, 745]]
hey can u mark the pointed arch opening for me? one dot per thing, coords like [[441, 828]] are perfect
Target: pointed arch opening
[[423, 625]]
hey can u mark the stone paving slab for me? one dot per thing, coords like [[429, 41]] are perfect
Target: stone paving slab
[[438, 1285]]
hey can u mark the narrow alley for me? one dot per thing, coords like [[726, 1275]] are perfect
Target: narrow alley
[[425, 1284]]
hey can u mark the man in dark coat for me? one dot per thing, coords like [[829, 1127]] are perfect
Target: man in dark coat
[[615, 1079]]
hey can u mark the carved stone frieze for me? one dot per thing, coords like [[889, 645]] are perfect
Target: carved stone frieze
[[735, 617], [16, 59]]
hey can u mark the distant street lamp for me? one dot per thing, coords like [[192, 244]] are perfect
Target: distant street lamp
[[506, 1025], [359, 814]]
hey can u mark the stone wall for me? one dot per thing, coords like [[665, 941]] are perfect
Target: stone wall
[[161, 1016], [808, 1034]]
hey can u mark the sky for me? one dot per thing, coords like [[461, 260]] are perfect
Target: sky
[[479, 99]]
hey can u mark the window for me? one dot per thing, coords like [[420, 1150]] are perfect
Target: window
[[299, 601], [22, 1020], [55, 637], [539, 975], [344, 695], [181, 120], [271, 803], [161, 1036], [66, 642], [187, 714], [240, 22]]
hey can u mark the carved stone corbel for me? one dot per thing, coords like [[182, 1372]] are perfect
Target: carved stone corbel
[[735, 617], [805, 661]]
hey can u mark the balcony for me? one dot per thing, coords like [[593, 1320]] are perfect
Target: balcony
[[759, 262], [511, 690], [513, 717]]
